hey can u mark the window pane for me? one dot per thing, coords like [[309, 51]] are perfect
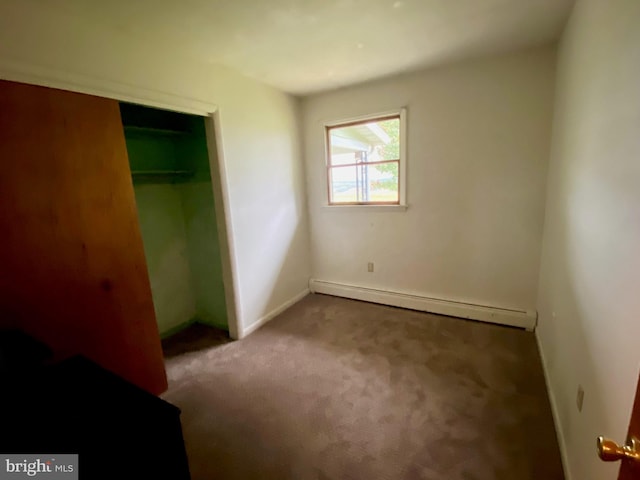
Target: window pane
[[369, 141], [365, 183], [391, 149], [344, 185], [382, 182], [345, 158]]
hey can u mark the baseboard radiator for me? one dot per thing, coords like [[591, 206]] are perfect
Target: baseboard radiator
[[526, 319]]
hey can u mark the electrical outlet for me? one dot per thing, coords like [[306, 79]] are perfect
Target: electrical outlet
[[580, 398], [370, 267]]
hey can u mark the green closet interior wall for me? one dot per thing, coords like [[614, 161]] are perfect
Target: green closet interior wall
[[169, 163]]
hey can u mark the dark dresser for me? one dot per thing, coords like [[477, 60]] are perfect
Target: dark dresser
[[75, 406]]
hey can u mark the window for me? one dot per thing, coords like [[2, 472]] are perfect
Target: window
[[365, 160]]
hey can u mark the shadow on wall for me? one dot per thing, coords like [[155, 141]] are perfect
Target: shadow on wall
[[270, 229], [287, 278], [574, 360]]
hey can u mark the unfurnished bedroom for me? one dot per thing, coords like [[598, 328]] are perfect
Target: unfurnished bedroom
[[317, 240]]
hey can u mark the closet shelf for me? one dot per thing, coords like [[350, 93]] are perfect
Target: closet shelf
[[162, 176], [153, 131]]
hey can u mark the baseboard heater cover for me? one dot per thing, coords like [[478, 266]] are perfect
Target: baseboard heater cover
[[526, 319]]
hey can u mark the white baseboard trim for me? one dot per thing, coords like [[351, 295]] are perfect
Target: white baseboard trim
[[484, 313], [273, 313], [555, 412]]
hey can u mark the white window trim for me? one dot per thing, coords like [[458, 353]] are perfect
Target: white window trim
[[402, 174]]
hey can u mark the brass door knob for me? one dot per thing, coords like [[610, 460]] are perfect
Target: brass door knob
[[610, 451]]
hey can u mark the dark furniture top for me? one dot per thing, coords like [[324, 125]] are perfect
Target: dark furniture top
[[75, 406]]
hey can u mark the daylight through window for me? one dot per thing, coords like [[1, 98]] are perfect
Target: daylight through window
[[364, 161]]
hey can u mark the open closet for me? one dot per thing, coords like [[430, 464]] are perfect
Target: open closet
[[169, 162]]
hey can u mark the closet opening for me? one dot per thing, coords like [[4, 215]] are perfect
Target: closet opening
[[172, 179]]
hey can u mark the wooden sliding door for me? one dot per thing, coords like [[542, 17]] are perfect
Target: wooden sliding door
[[72, 265]]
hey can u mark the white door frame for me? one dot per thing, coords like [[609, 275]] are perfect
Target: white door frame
[[223, 220]]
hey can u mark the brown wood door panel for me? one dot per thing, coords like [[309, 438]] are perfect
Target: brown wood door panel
[[73, 271], [630, 470]]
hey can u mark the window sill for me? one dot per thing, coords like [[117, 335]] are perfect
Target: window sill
[[377, 208]]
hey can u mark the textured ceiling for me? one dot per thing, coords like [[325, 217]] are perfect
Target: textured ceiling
[[305, 46]]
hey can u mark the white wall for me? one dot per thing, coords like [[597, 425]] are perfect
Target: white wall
[[589, 304], [478, 147], [259, 128]]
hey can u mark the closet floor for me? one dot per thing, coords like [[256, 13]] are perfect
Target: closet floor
[[195, 338]]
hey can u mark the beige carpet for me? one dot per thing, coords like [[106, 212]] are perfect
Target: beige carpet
[[340, 389]]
